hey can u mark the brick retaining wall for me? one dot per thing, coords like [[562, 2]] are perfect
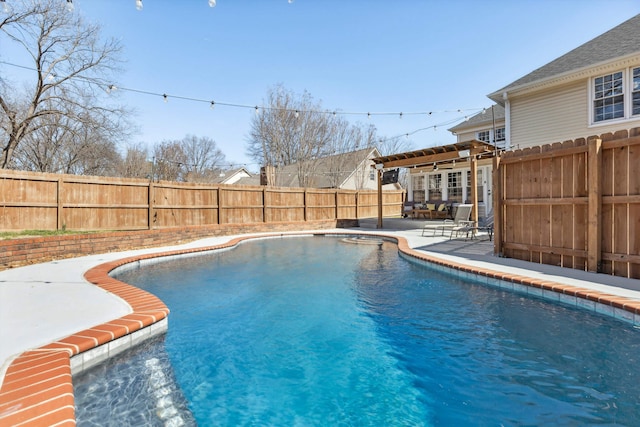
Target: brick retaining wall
[[32, 250]]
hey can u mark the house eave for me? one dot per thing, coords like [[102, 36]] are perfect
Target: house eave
[[501, 95]]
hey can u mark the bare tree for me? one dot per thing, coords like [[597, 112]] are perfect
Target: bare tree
[[135, 163], [203, 159], [60, 144], [290, 129], [191, 159], [169, 161], [70, 64]]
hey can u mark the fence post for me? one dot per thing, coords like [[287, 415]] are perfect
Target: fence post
[[150, 208], [337, 197], [594, 215], [219, 196], [498, 208], [264, 204], [305, 201], [59, 224]]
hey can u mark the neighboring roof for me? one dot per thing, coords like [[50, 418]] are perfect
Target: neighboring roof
[[440, 154], [620, 41], [228, 174], [249, 180], [485, 117], [328, 170]]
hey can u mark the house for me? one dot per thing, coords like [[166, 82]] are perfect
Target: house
[[591, 90], [351, 171], [234, 176]]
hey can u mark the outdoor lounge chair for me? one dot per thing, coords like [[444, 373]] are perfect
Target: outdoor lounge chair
[[460, 220]]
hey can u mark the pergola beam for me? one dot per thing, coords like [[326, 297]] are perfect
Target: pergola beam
[[432, 158]]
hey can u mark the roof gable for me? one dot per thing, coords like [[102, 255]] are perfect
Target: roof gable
[[485, 117], [327, 172]]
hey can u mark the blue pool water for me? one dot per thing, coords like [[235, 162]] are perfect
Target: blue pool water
[[314, 331]]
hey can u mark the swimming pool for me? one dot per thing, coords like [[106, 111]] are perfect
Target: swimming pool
[[312, 331]]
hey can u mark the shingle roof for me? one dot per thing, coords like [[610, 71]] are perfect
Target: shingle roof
[[325, 171], [620, 41], [482, 118]]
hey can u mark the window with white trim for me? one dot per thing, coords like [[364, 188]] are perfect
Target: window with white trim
[[417, 185], [616, 96], [635, 92], [484, 135], [454, 186], [608, 97], [435, 187]]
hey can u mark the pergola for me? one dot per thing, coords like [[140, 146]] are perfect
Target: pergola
[[443, 154]]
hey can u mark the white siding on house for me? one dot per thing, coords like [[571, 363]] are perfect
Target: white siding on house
[[466, 136], [557, 115], [550, 116]]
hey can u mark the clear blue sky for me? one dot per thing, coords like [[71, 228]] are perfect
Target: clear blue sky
[[351, 55]]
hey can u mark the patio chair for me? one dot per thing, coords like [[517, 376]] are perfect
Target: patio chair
[[471, 230], [461, 219]]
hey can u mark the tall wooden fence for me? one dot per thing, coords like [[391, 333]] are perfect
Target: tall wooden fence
[[574, 204], [31, 201]]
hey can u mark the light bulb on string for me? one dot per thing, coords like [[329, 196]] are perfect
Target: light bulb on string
[[212, 3], [70, 6], [111, 88], [257, 109], [139, 5], [213, 105], [400, 114], [166, 98], [5, 7], [296, 114]]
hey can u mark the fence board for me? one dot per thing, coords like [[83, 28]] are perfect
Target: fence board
[[31, 200]]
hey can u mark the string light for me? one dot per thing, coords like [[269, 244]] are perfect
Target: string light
[[111, 87], [212, 3], [5, 7], [139, 5], [70, 6]]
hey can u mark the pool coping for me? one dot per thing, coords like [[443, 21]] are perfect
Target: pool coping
[[37, 387]]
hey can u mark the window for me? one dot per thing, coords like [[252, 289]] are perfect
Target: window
[[616, 95], [479, 185], [454, 186], [608, 97], [484, 135], [435, 187], [417, 185], [372, 175], [635, 94]]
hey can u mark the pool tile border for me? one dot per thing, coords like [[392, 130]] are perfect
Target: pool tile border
[[37, 389]]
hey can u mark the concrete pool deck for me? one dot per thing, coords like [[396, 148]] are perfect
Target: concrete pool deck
[[47, 303]]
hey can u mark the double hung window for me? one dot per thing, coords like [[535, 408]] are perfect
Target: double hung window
[[616, 95]]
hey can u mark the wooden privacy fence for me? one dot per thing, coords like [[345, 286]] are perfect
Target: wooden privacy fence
[[43, 201], [574, 204]]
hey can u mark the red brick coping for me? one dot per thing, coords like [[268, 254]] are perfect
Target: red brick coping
[[37, 389]]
